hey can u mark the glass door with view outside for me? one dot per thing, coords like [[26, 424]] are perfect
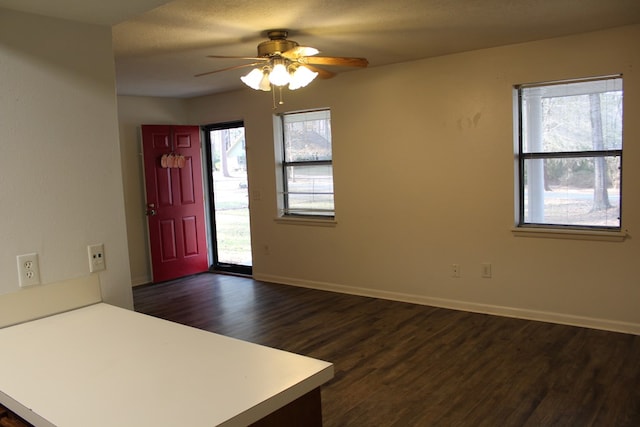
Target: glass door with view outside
[[229, 199]]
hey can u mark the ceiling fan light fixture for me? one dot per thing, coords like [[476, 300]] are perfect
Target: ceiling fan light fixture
[[279, 75], [253, 78], [265, 84], [258, 79], [301, 77], [282, 62]]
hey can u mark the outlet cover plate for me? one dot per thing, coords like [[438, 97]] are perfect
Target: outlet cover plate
[[97, 260], [28, 270], [486, 270]]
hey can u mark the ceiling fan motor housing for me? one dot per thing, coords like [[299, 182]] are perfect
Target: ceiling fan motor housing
[[277, 44]]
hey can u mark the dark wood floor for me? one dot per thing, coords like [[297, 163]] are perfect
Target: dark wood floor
[[399, 364]]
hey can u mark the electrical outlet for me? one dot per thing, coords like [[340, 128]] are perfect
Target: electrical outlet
[[455, 270], [97, 261], [28, 270]]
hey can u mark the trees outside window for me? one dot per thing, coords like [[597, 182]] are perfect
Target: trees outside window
[[569, 153], [306, 164]]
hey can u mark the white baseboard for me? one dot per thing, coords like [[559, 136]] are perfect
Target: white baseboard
[[137, 281], [518, 313]]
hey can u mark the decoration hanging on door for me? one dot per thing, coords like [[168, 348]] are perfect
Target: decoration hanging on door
[[172, 160]]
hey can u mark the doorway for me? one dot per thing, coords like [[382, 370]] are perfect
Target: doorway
[[229, 197], [175, 208]]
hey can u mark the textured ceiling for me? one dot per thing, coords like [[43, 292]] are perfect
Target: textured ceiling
[[158, 52], [101, 12]]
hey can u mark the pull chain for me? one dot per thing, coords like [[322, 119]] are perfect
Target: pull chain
[[273, 96]]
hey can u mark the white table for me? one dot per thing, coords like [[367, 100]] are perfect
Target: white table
[[102, 365]]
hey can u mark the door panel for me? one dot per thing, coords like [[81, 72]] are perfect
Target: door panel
[[190, 230], [163, 188], [186, 182], [168, 240], [175, 202]]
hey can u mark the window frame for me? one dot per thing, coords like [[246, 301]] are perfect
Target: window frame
[[284, 211], [545, 229]]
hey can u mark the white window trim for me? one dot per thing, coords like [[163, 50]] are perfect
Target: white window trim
[[551, 231], [571, 234], [311, 220]]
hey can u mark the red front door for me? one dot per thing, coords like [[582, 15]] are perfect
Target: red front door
[[175, 201]]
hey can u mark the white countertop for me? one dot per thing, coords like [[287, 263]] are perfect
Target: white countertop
[[106, 366]]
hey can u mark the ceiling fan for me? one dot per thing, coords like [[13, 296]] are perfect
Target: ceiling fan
[[283, 62]]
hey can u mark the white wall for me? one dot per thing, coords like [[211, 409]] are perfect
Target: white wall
[[60, 171], [424, 170], [133, 112]]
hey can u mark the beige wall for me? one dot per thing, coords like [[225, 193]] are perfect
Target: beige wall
[[424, 171], [60, 170]]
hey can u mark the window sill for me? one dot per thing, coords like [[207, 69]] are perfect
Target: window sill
[[314, 222], [549, 233]]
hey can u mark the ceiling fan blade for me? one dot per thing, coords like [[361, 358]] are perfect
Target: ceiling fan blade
[[323, 74], [235, 67], [299, 51], [238, 57], [335, 60]]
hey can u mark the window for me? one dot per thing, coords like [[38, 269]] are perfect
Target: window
[[569, 154], [306, 164]]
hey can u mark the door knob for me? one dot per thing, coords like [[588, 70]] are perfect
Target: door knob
[[151, 212]]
